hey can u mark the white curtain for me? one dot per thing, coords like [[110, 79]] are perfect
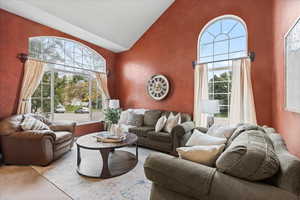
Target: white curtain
[[200, 93], [101, 79], [242, 107], [33, 74]]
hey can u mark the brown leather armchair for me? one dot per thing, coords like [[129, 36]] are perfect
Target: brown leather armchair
[[35, 147]]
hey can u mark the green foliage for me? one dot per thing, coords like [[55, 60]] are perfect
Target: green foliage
[[112, 116], [71, 108]]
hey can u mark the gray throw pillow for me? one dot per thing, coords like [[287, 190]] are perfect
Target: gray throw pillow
[[250, 156], [151, 117], [135, 119]]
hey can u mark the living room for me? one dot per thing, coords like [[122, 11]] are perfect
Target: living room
[[143, 99]]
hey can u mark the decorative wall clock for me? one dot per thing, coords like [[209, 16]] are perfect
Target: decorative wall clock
[[158, 87]]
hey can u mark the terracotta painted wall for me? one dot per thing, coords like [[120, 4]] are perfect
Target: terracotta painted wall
[[287, 123], [14, 34], [170, 46]]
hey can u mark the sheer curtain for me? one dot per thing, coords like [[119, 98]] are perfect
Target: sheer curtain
[[101, 79], [200, 93], [242, 107], [33, 74]]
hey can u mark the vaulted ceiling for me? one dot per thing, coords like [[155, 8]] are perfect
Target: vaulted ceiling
[[113, 24]]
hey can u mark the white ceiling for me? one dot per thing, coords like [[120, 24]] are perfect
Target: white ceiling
[[113, 24]]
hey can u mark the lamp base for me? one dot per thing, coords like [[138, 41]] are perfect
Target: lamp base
[[210, 121]]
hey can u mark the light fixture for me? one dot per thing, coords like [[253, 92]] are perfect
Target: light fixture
[[210, 107]]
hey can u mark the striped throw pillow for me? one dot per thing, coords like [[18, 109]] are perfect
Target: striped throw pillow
[[30, 123]]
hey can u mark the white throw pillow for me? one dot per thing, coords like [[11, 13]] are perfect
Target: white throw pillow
[[30, 123], [160, 124], [172, 121], [222, 131], [206, 155], [199, 138]]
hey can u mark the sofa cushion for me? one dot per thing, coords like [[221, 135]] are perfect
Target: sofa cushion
[[206, 155], [184, 116], [172, 121], [141, 131], [161, 122], [250, 156], [160, 136], [135, 119], [62, 136], [151, 117], [221, 131], [199, 138]]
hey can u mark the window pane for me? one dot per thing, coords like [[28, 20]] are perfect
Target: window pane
[[215, 28], [46, 90], [36, 106], [37, 92], [206, 50], [223, 112], [221, 47], [221, 87], [221, 37], [206, 38], [46, 105], [96, 100], [227, 25], [71, 97], [238, 44], [238, 31], [238, 54], [223, 98]]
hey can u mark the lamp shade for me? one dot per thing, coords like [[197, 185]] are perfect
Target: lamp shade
[[210, 106], [114, 103]]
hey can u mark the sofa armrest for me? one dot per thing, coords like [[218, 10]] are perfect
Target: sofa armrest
[[28, 147], [182, 129], [182, 176], [63, 126]]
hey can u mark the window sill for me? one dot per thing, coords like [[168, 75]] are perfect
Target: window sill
[[87, 123]]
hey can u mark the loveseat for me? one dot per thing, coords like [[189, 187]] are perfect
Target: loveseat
[[34, 147], [177, 179], [162, 140]]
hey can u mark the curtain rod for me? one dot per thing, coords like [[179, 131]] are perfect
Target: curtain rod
[[23, 57], [251, 55]]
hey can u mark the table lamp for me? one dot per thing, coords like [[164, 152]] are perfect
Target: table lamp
[[114, 103], [210, 107]]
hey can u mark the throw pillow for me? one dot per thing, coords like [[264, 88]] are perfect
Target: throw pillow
[[199, 138], [160, 123], [135, 119], [30, 123], [172, 121], [123, 117], [250, 156], [151, 117], [221, 131], [206, 155]]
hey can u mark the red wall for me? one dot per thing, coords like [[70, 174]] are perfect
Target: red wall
[[14, 34], [287, 123], [170, 46]]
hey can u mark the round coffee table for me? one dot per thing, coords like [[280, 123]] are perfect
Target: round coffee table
[[114, 162]]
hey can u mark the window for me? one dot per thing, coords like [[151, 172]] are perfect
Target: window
[[221, 40], [68, 90]]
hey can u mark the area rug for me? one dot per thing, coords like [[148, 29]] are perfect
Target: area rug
[[130, 186]]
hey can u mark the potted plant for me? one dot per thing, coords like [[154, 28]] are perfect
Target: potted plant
[[111, 116]]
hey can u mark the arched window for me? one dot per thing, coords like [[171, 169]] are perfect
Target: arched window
[[221, 40], [68, 90]]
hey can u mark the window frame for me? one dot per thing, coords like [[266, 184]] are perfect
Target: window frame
[[52, 70], [213, 55]]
